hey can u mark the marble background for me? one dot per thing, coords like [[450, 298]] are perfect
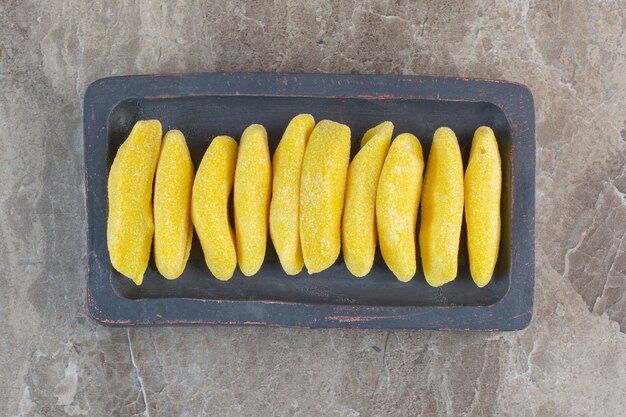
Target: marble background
[[571, 361]]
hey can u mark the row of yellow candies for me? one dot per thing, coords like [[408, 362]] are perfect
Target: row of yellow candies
[[383, 186]]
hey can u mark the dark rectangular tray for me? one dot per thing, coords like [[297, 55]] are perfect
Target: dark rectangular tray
[[203, 106]]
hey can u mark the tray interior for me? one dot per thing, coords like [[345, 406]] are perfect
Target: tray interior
[[201, 118]]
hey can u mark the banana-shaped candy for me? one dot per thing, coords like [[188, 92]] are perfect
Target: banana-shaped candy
[[483, 187], [322, 192], [359, 213], [209, 206], [253, 188], [172, 200], [397, 203], [285, 204], [442, 209], [130, 224]]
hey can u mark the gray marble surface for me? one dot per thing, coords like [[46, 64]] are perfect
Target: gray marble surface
[[571, 361]]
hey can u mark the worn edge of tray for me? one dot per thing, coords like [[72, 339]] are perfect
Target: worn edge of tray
[[512, 312]]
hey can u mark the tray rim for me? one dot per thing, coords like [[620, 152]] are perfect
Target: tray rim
[[512, 312]]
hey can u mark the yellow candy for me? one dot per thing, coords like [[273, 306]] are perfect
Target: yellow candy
[[322, 188], [442, 209], [209, 206], [285, 205], [130, 224], [359, 213], [397, 203], [483, 186], [253, 187], [172, 199]]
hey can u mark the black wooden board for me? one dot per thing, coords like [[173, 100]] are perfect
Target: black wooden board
[[205, 105]]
